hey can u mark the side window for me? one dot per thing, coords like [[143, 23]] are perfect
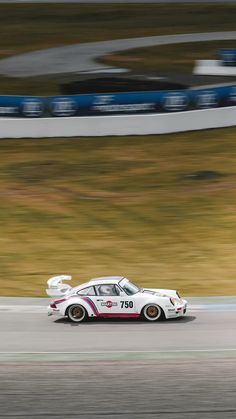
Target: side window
[[107, 289], [87, 291]]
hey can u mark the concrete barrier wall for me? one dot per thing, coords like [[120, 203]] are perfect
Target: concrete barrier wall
[[118, 125], [213, 68]]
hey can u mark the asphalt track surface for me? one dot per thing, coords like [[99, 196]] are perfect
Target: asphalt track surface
[[171, 390], [82, 57], [32, 331], [182, 368]]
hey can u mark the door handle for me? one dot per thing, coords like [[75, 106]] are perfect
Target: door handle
[[100, 299]]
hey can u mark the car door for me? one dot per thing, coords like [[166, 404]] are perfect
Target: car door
[[111, 301]]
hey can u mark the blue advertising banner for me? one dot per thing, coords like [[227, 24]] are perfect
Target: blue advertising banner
[[142, 102], [26, 106], [117, 103], [212, 97], [104, 104], [227, 56]]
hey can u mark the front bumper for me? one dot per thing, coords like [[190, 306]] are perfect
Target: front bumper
[[181, 311], [178, 310]]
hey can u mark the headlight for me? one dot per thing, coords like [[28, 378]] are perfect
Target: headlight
[[173, 301]]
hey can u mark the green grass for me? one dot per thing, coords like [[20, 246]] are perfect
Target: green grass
[[120, 206], [27, 27], [167, 59]]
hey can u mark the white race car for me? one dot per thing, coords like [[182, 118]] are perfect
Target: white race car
[[112, 296]]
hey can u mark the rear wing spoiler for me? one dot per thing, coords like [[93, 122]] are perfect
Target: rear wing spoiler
[[56, 288]]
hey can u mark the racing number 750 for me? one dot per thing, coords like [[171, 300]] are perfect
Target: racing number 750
[[127, 304]]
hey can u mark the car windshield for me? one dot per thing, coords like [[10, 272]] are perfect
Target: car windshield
[[129, 287]]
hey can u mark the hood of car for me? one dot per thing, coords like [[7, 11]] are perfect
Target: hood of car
[[161, 292]]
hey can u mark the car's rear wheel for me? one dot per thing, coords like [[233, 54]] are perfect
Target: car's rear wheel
[[77, 313], [152, 312]]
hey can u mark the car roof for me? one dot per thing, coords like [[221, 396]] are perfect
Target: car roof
[[100, 281], [105, 280]]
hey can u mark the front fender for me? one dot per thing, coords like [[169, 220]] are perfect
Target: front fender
[[163, 302]]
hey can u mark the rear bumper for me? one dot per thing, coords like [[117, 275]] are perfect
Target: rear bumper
[[52, 311]]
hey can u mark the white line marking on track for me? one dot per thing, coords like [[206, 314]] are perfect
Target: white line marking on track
[[114, 356], [120, 352]]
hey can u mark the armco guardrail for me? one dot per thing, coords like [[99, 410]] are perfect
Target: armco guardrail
[[118, 124]]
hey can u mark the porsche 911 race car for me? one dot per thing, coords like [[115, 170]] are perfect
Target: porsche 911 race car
[[112, 296]]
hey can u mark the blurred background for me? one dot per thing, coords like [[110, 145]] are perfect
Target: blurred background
[[157, 209], [160, 210]]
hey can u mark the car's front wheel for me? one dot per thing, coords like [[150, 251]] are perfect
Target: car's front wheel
[[152, 312], [77, 313]]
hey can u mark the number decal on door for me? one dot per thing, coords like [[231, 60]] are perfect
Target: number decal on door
[[127, 304]]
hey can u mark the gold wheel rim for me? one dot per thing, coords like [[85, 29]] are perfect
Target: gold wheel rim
[[152, 311], [77, 313]]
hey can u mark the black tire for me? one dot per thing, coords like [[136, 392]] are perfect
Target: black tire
[[152, 313], [76, 313]]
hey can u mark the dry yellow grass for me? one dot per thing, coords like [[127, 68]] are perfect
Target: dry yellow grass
[[92, 207], [168, 59], [124, 206]]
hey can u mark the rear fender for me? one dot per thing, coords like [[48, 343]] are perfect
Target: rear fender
[[86, 302]]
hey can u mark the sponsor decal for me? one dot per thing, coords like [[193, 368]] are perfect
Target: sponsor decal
[[63, 106], [106, 103], [8, 110], [228, 56], [207, 99], [109, 304], [103, 100], [176, 101], [32, 107], [127, 107], [232, 95]]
